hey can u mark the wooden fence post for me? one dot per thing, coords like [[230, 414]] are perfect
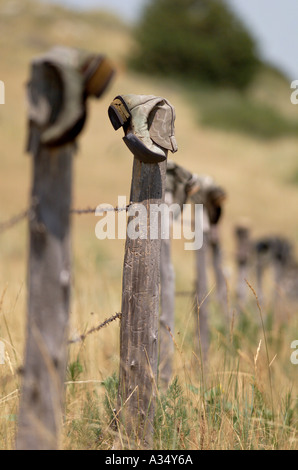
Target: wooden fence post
[[243, 255], [217, 262], [201, 288], [180, 184], [211, 196], [140, 311], [48, 304], [167, 304], [275, 252], [55, 81], [148, 124]]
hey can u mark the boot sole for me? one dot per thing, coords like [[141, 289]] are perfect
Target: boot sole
[[140, 151]]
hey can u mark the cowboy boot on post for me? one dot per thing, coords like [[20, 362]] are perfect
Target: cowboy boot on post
[[148, 124], [60, 83], [70, 76]]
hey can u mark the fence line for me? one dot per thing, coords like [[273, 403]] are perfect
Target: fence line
[[99, 210], [82, 337], [6, 225], [10, 223], [185, 293]]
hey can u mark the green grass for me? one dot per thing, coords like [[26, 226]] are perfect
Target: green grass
[[233, 111], [231, 409]]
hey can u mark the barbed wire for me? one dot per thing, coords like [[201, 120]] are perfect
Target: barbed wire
[[185, 293], [106, 322], [6, 225], [82, 337], [14, 220], [99, 209]]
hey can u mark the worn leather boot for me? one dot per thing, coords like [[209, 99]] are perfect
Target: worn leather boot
[[75, 75], [180, 182], [148, 123]]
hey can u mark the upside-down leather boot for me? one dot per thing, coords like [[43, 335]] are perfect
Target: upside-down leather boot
[[148, 123], [180, 182], [211, 196], [73, 75]]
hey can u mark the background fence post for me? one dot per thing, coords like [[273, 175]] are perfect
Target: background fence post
[[201, 284], [140, 312], [56, 116], [167, 310], [217, 262], [243, 255], [48, 302]]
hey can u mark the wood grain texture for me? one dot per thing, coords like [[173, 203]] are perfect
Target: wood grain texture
[[167, 309], [49, 278], [140, 311], [202, 300]]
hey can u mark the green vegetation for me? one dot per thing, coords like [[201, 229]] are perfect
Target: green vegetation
[[199, 40], [232, 111], [231, 409], [202, 45]]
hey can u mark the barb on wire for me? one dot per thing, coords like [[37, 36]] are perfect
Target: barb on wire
[[82, 337], [185, 293], [14, 220], [98, 210], [26, 214]]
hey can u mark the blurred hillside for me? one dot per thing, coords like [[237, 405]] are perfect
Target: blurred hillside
[[218, 133], [203, 41], [259, 174]]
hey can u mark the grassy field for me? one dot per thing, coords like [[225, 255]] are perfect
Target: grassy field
[[240, 402]]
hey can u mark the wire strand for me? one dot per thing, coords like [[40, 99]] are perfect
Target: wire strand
[[82, 337], [16, 219]]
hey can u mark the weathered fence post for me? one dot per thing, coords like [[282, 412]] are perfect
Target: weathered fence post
[[167, 308], [57, 94], [276, 252], [140, 309], [211, 196], [243, 255], [180, 183], [215, 197], [217, 262], [201, 289], [148, 123]]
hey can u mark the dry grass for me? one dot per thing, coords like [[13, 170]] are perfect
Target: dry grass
[[232, 409]]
